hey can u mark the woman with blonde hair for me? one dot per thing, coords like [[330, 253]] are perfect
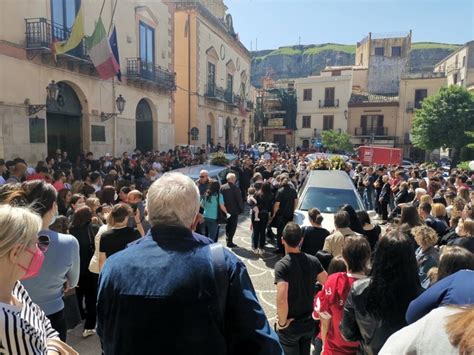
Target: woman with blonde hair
[[426, 199], [427, 255], [24, 327]]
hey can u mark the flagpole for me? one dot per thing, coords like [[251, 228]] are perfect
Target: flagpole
[[112, 18]]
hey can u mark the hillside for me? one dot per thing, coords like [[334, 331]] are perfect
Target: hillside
[[301, 61]]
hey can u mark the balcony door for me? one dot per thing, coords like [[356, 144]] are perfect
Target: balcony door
[[329, 96], [147, 51], [211, 78], [63, 14], [372, 124]]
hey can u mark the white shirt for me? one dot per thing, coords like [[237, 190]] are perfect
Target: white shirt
[[24, 328]]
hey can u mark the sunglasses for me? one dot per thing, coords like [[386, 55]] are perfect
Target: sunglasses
[[43, 243]]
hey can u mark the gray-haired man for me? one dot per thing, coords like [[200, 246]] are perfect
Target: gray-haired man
[[234, 204]]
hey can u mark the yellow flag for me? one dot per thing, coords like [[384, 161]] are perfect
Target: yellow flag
[[77, 34]]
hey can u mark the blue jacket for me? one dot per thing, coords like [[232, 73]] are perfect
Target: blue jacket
[[159, 296], [456, 289]]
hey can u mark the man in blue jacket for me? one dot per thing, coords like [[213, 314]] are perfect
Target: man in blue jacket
[[163, 294]]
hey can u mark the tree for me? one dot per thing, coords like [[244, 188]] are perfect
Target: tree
[[336, 141], [443, 120]]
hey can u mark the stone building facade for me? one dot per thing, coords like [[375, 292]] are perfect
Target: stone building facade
[[214, 96], [75, 122], [322, 104]]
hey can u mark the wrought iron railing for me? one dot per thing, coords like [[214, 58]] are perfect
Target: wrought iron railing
[[368, 131], [229, 96], [42, 33], [215, 92], [140, 70], [329, 103]]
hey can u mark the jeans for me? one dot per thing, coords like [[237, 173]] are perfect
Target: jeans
[[296, 339], [212, 228], [58, 322], [368, 198], [231, 227]]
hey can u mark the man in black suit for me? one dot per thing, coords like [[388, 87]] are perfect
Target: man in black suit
[[234, 204]]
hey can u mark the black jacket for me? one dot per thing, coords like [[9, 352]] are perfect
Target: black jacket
[[358, 325], [232, 199]]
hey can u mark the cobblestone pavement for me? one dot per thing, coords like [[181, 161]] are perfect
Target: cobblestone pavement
[[260, 269]]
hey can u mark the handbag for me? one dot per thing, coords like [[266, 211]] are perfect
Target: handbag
[[221, 215]]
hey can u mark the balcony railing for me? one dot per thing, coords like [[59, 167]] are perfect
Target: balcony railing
[[412, 106], [215, 92], [229, 97], [145, 72], [329, 103], [369, 131], [453, 67], [42, 33]]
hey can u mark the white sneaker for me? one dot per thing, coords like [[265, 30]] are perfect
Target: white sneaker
[[88, 332], [255, 251], [260, 251]]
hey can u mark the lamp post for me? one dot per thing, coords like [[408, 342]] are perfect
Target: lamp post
[[52, 92], [120, 104]]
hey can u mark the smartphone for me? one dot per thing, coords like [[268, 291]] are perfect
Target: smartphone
[[134, 208], [99, 209]]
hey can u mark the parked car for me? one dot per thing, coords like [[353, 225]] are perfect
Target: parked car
[[326, 190]]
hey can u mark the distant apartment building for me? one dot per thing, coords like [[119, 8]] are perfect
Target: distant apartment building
[[322, 104], [372, 118], [459, 67], [385, 56], [274, 126], [414, 88], [213, 99]]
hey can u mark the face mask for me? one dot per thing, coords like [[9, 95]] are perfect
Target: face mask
[[35, 265]]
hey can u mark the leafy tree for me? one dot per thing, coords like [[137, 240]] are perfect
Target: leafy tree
[[334, 141], [443, 120]]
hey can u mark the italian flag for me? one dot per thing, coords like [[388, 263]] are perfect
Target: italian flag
[[100, 53]]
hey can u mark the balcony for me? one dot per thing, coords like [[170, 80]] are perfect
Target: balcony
[[412, 106], [329, 103], [42, 33], [214, 92], [453, 68], [229, 97], [371, 131], [143, 72]]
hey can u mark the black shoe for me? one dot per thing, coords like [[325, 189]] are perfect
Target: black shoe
[[231, 245]]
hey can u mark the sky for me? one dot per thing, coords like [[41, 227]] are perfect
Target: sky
[[276, 23]]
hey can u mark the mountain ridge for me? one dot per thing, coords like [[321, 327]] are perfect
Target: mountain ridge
[[304, 60]]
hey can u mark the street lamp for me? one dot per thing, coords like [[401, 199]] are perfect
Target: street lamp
[[120, 104], [52, 92]]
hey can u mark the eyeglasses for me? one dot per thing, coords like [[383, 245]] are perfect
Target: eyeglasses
[[43, 243]]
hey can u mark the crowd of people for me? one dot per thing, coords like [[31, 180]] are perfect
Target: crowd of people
[[128, 247]]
